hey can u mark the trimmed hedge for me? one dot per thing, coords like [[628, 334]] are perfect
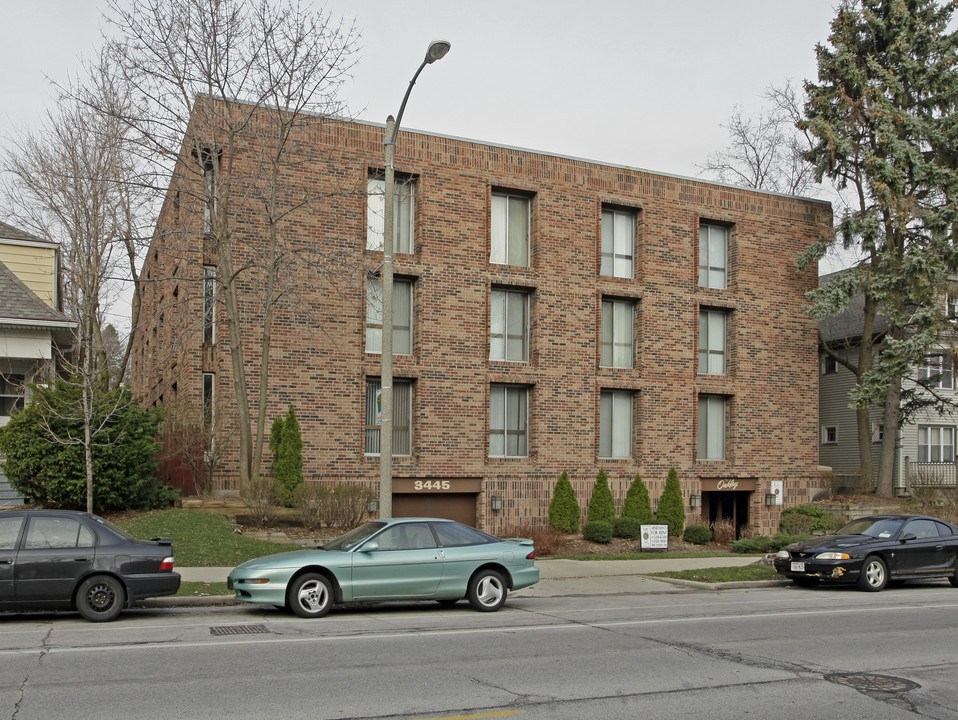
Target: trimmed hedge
[[564, 512], [601, 505], [637, 504], [671, 505], [598, 531], [697, 535], [765, 544], [626, 527]]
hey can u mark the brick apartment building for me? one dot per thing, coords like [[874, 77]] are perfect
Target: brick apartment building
[[551, 313]]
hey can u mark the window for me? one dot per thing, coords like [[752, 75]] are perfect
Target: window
[[407, 536], [937, 372], [618, 239], [404, 204], [921, 529], [936, 444], [712, 342], [711, 427], [10, 531], [402, 316], [951, 305], [829, 365], [615, 346], [509, 326], [11, 393], [508, 421], [211, 192], [57, 532], [713, 256], [830, 435], [510, 230], [615, 424], [402, 416], [878, 432], [209, 398], [209, 304], [456, 535]]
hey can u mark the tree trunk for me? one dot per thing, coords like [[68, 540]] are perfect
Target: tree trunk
[[889, 445]]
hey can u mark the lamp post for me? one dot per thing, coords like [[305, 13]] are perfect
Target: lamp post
[[437, 50]]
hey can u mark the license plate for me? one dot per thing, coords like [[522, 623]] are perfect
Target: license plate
[[798, 567]]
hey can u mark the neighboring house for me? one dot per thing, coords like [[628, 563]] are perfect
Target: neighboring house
[[926, 445], [33, 330], [551, 313]]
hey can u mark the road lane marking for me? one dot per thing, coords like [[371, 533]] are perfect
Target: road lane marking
[[479, 716]]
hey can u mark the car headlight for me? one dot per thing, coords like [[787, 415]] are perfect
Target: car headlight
[[833, 556], [782, 554]]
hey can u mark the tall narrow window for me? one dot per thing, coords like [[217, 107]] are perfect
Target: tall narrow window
[[209, 304], [508, 421], [510, 230], [938, 372], [211, 194], [936, 444], [402, 316], [616, 337], [711, 427], [402, 416], [509, 326], [615, 424], [713, 256], [209, 401], [404, 205], [618, 240], [712, 342]]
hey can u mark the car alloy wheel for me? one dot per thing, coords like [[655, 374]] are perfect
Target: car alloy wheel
[[487, 591], [311, 595], [874, 574], [100, 598]]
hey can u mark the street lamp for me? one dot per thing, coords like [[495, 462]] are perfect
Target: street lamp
[[437, 50]]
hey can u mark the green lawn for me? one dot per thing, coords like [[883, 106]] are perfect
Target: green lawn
[[718, 575], [200, 539], [646, 555]]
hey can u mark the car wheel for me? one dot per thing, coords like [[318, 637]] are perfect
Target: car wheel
[[874, 575], [487, 591], [953, 578], [100, 598], [310, 595], [805, 582]]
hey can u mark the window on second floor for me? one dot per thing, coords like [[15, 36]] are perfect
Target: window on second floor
[[618, 241], [402, 316], [615, 343], [509, 244], [936, 444], [713, 256], [509, 325], [209, 304], [402, 417], [938, 372], [404, 217], [712, 328], [508, 421], [615, 424]]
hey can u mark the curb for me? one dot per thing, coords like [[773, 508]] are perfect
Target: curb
[[734, 585]]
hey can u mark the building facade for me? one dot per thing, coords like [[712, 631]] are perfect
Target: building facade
[[550, 314]]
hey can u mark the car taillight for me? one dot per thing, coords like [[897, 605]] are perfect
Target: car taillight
[[167, 563], [531, 556]]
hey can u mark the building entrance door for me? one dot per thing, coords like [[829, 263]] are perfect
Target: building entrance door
[[728, 500]]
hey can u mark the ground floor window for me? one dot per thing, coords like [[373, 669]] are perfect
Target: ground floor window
[[936, 443]]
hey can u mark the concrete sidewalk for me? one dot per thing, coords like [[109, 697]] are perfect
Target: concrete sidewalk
[[556, 578]]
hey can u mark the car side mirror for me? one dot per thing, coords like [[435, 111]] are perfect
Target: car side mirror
[[907, 537], [369, 547]]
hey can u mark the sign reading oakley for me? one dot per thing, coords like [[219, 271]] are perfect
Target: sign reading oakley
[[729, 484]]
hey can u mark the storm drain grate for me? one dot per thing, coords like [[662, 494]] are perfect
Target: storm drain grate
[[237, 629], [868, 682]]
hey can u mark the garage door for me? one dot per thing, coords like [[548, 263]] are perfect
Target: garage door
[[460, 507]]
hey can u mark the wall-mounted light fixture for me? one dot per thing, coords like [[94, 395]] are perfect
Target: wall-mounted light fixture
[[695, 501], [497, 502], [771, 499]]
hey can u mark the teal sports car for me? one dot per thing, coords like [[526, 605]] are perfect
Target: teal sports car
[[397, 559]]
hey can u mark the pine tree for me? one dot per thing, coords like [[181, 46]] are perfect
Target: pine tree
[[564, 512], [288, 465], [671, 505], [601, 506], [637, 504], [882, 122]]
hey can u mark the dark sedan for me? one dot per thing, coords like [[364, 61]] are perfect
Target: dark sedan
[[62, 560], [871, 551]]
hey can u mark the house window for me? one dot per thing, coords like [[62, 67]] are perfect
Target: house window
[[951, 305], [509, 326], [209, 304], [937, 372], [830, 435], [402, 316], [615, 346], [508, 421], [402, 416], [404, 204], [936, 444], [615, 424], [618, 240], [713, 256], [712, 342], [209, 400], [510, 230], [711, 427], [11, 394], [211, 193], [878, 432], [829, 365]]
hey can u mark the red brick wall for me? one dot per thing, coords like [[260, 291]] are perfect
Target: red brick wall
[[318, 362]]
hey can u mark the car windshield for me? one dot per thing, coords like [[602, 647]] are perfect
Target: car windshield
[[354, 536], [872, 527]]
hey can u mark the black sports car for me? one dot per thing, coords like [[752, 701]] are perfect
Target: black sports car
[[57, 559], [872, 550]]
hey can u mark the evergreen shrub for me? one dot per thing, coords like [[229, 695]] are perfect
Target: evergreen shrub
[[626, 527], [564, 512], [697, 535], [671, 505], [597, 531], [601, 506]]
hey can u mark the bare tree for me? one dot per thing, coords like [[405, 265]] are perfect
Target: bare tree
[[219, 94]]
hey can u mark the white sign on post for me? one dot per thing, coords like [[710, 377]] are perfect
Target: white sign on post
[[654, 537]]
